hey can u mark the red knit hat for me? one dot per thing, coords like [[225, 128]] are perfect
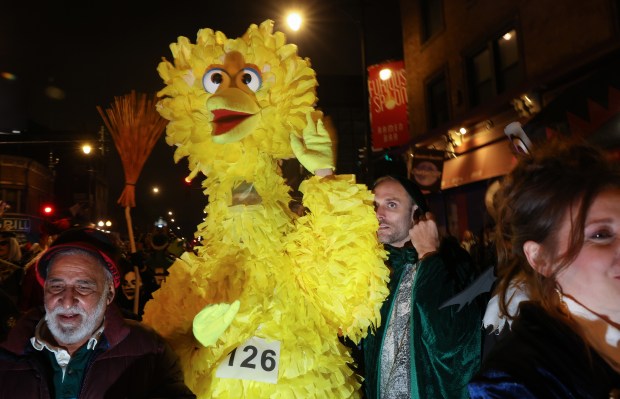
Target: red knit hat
[[88, 239]]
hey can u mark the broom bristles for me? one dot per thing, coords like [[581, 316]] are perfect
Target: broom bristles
[[135, 126]]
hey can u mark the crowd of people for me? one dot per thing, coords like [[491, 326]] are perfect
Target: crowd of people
[[557, 240]]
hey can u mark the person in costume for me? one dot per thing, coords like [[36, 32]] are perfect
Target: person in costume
[[558, 241], [420, 351], [257, 310], [131, 284]]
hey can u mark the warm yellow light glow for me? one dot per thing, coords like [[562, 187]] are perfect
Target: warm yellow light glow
[[86, 149], [385, 74], [155, 189], [294, 21], [507, 36], [108, 223], [170, 213], [8, 76], [462, 130]]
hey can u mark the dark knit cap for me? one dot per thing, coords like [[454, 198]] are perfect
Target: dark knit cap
[[94, 241], [410, 187]]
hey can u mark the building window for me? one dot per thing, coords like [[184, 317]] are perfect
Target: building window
[[432, 18], [495, 68], [438, 105]]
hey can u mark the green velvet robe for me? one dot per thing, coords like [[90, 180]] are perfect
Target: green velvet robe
[[445, 344]]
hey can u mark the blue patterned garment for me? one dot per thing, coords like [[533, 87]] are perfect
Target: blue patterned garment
[[543, 358]]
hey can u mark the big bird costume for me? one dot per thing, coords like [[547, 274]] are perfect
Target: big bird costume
[[257, 311]]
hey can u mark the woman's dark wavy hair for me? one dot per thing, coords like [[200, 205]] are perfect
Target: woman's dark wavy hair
[[562, 175]]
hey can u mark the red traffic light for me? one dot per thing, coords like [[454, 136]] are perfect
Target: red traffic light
[[47, 209]]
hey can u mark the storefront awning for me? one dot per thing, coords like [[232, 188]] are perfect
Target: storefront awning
[[484, 163]]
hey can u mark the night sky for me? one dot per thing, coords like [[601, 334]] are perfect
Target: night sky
[[64, 58]]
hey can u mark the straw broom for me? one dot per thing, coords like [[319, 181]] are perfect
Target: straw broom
[[135, 127]]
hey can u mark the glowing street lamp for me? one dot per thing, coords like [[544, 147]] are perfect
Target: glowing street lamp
[[294, 20]]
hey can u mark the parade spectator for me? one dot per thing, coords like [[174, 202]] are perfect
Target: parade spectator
[[125, 299], [11, 270], [420, 351], [157, 261], [558, 243], [8, 314], [10, 250], [79, 345], [468, 241], [160, 275]]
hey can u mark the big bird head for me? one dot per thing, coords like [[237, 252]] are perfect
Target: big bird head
[[247, 93]]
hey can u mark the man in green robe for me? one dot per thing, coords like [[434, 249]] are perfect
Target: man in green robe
[[420, 350]]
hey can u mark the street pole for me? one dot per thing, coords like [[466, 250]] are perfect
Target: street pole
[[365, 96]]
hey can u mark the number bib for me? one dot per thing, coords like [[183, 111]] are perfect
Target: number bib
[[256, 359]]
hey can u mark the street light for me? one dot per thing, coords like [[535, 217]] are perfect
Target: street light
[[86, 148], [294, 21]]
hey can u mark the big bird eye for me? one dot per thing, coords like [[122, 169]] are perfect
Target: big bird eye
[[251, 78], [212, 79]]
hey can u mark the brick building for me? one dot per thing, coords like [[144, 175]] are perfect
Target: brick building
[[478, 65]]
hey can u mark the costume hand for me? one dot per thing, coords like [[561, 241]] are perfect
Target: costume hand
[[211, 322], [425, 235], [315, 150]]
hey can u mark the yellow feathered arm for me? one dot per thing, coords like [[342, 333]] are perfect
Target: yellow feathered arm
[[339, 263]]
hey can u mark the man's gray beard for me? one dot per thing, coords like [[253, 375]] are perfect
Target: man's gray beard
[[70, 334]]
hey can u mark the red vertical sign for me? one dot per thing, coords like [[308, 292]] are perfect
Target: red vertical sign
[[388, 105]]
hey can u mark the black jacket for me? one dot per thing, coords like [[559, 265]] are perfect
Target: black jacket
[[131, 361], [543, 358]]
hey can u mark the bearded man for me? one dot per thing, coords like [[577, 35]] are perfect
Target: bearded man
[[79, 346], [421, 350]]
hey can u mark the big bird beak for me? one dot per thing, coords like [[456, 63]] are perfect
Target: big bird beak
[[234, 107], [235, 115]]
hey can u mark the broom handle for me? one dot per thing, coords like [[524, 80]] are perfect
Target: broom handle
[[132, 243]]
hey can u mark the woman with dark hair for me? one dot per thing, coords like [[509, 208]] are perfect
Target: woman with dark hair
[[558, 242]]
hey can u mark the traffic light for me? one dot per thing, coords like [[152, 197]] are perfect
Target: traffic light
[[47, 209]]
